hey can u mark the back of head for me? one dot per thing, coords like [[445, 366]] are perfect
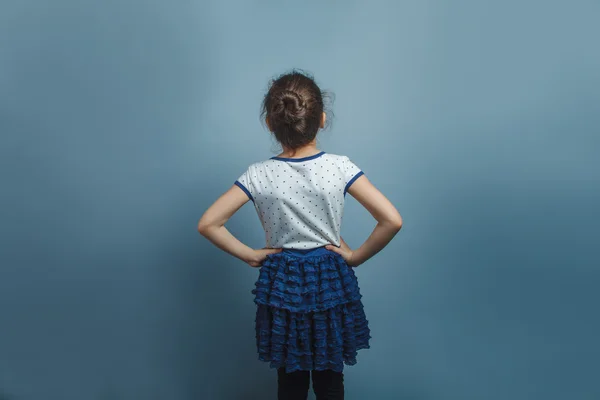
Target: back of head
[[293, 107]]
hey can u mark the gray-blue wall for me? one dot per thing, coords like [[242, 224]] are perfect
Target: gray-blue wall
[[121, 121]]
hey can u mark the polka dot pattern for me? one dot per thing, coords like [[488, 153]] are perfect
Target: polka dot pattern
[[300, 203]]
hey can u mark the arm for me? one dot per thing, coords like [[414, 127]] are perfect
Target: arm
[[389, 222], [212, 227]]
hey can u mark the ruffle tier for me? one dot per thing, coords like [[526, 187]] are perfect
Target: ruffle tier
[[309, 313]]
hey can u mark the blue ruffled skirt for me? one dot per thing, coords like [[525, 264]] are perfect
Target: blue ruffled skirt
[[309, 314]]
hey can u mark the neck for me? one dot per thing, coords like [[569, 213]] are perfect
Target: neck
[[304, 151]]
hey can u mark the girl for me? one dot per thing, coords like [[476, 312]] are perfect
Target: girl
[[309, 314]]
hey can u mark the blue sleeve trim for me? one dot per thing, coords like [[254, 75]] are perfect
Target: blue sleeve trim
[[358, 175], [244, 189]]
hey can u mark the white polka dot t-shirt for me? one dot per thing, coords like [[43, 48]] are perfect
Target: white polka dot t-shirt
[[300, 201]]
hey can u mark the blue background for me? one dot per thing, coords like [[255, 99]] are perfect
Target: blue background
[[122, 121]]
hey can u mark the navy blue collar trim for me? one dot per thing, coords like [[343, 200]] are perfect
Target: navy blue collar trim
[[299, 159]]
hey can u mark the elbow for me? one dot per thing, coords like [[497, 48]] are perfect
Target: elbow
[[396, 224], [391, 225], [207, 228], [203, 228]]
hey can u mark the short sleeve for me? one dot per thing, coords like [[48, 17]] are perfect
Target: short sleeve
[[244, 183], [351, 171]]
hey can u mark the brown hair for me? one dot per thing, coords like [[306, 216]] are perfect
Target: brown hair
[[293, 107]]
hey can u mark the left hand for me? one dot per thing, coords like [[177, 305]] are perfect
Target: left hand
[[260, 255], [345, 251]]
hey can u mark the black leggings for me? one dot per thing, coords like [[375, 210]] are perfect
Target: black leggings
[[327, 385]]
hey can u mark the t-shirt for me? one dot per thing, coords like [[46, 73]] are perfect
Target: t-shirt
[[300, 201]]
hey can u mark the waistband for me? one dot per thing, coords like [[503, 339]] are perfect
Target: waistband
[[316, 251]]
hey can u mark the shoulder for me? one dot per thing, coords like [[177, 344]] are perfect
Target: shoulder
[[341, 160], [261, 165], [336, 157], [350, 170], [258, 168]]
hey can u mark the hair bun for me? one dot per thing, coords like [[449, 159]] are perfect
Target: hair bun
[[290, 106], [293, 109]]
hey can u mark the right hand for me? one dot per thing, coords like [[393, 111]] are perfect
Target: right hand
[[346, 252], [260, 255]]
